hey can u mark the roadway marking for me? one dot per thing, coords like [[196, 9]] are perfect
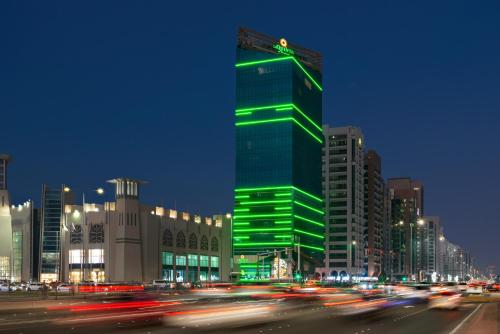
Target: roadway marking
[[410, 314], [456, 329]]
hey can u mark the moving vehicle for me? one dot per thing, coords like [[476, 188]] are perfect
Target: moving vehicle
[[462, 286], [474, 289], [445, 300]]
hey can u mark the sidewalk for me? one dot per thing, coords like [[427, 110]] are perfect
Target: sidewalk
[[485, 321]]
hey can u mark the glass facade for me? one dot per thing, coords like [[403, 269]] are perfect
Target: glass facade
[[51, 229], [17, 255], [278, 201]]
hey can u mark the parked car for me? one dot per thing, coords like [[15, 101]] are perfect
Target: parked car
[[16, 287], [162, 284], [34, 286], [65, 287], [4, 287], [445, 300]]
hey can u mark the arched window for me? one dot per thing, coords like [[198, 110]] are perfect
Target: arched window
[[168, 238], [204, 243], [76, 234], [180, 241], [193, 241], [214, 246], [96, 234]]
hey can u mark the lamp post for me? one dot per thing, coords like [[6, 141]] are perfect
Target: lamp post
[[231, 261]]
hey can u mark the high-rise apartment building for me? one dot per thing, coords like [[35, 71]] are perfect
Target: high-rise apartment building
[[5, 222], [428, 248], [278, 202], [343, 190], [375, 214], [407, 199]]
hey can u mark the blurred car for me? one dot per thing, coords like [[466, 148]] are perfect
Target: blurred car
[[474, 289], [161, 284], [445, 300], [462, 286], [4, 287], [16, 287], [65, 287], [494, 287], [34, 286]]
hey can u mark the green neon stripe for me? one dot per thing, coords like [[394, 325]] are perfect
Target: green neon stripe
[[312, 247], [259, 189], [283, 194], [241, 210], [282, 208], [270, 60], [307, 117], [308, 194], [240, 224], [242, 196], [273, 106], [282, 222], [244, 113], [319, 236], [263, 229], [256, 244], [267, 202], [264, 215], [309, 207], [263, 121], [309, 220], [278, 107], [279, 120], [308, 131], [307, 74], [246, 237], [263, 188], [263, 61]]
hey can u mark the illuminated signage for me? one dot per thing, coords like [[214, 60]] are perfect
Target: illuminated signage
[[282, 47]]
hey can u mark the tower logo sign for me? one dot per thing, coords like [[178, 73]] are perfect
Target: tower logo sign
[[282, 47]]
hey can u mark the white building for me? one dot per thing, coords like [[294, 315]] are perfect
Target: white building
[[343, 190]]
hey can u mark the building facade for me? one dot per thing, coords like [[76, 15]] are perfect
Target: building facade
[[128, 241], [278, 202], [407, 208], [343, 190], [428, 248], [5, 222], [375, 214]]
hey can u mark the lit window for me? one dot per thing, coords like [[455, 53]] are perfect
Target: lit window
[[173, 214], [75, 256], [96, 255]]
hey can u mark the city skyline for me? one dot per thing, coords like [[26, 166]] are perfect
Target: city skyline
[[160, 152]]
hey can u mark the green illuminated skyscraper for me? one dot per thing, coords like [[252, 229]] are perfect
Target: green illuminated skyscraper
[[278, 198]]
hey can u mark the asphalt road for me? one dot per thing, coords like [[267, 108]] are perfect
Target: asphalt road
[[313, 319]]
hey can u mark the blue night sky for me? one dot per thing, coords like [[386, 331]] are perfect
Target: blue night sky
[[94, 90]]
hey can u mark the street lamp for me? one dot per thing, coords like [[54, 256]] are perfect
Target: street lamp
[[420, 222], [231, 262]]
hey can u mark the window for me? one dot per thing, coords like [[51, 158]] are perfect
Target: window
[[96, 256], [180, 260], [167, 258], [193, 241], [96, 234], [214, 246], [203, 261], [76, 234], [214, 261], [180, 241], [75, 256], [193, 260], [167, 238], [204, 243]]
